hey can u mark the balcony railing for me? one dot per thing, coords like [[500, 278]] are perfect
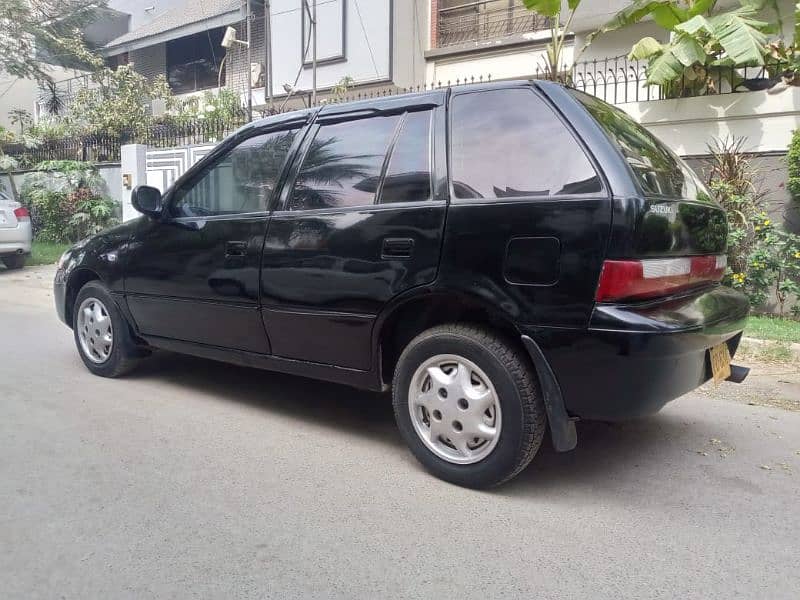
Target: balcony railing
[[485, 20]]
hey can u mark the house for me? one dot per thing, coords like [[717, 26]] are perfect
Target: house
[[16, 93], [366, 42], [501, 39]]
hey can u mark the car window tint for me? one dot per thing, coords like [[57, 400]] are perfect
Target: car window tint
[[343, 164], [408, 178], [241, 182], [509, 143], [658, 169]]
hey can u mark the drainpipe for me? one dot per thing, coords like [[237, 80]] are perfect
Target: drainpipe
[[314, 55], [249, 69], [268, 53]]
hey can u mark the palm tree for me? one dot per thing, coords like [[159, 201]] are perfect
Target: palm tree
[[52, 99], [322, 171]]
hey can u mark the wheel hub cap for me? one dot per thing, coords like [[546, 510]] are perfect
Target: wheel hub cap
[[95, 332], [454, 409]]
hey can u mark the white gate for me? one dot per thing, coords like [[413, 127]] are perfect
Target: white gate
[[164, 167]]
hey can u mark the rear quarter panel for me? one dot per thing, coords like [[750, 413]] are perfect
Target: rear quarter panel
[[480, 233]]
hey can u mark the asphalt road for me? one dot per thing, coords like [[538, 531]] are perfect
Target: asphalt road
[[191, 479]]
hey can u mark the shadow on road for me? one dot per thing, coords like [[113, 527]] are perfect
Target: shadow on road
[[366, 414], [605, 451]]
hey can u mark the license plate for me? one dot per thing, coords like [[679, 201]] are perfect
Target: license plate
[[720, 363]]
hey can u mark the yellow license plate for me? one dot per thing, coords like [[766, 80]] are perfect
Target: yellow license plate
[[720, 363]]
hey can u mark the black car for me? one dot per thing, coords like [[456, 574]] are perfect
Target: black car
[[504, 257]]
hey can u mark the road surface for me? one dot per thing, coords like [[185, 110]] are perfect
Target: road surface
[[191, 479]]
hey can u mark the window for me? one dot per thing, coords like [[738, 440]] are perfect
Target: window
[[331, 21], [408, 178], [657, 169], [509, 143], [460, 21], [193, 61], [241, 182], [342, 166]]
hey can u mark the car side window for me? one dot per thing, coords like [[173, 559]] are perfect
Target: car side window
[[510, 144], [408, 176], [342, 165], [240, 182]]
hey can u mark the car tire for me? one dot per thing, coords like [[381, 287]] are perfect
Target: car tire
[[490, 364], [15, 261], [112, 359]]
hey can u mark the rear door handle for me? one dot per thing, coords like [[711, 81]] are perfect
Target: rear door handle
[[397, 248], [235, 249]]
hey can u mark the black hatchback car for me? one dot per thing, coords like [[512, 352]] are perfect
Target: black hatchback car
[[507, 258]]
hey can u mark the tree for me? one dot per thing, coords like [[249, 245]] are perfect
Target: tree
[[705, 44], [119, 101], [20, 117], [555, 49], [31, 29]]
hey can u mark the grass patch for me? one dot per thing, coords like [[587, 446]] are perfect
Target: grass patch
[[773, 328], [46, 253], [766, 351]]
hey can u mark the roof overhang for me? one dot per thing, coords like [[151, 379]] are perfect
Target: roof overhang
[[228, 18]]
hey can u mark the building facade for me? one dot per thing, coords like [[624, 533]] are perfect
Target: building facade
[[366, 43]]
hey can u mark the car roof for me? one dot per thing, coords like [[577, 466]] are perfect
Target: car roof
[[390, 102]]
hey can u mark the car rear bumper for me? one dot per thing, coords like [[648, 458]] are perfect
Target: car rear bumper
[[16, 240], [7, 248], [633, 359]]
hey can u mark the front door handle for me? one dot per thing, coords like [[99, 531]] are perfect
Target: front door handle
[[397, 248], [235, 249]]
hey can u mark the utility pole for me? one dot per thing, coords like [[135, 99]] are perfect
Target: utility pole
[[314, 54], [249, 69], [268, 53]]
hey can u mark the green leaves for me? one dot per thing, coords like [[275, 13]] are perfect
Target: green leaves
[[645, 48], [740, 36], [548, 8], [664, 69], [700, 7], [700, 42], [687, 50]]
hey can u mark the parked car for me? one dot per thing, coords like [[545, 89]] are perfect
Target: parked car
[[505, 257], [16, 233]]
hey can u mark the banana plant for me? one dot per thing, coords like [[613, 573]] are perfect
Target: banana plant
[[786, 66], [551, 9], [705, 44]]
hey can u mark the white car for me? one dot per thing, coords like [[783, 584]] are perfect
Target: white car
[[16, 233]]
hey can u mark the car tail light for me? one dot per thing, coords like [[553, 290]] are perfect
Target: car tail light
[[651, 278], [22, 214]]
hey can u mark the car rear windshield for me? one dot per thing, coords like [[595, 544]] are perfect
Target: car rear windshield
[[658, 170]]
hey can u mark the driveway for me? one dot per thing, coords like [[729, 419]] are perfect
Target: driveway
[[196, 479]]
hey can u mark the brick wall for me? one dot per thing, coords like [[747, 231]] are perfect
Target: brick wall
[[150, 61], [434, 23], [236, 62]]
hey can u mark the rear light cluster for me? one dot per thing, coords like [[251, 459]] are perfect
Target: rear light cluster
[[652, 278], [22, 214]]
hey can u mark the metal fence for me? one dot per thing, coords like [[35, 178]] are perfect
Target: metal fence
[[619, 80], [485, 20], [615, 80], [88, 148], [197, 131], [99, 148]]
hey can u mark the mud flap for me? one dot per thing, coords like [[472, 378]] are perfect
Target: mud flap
[[562, 427]]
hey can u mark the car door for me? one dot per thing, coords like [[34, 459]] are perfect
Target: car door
[[360, 222], [194, 274]]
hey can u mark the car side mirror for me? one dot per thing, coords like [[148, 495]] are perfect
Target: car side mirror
[[147, 200]]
